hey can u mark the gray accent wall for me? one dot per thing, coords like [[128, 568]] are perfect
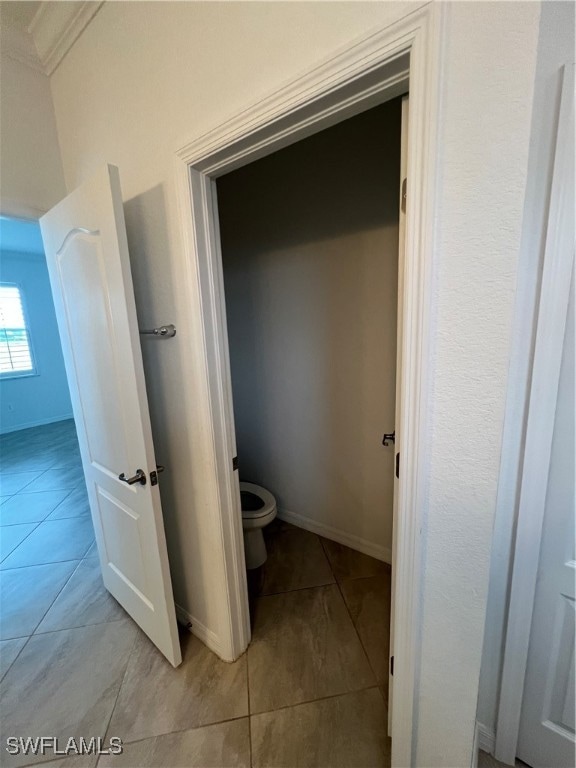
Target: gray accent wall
[[310, 253]]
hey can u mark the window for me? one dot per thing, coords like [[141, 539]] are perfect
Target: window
[[15, 351]]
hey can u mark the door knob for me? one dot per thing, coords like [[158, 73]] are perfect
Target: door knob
[[139, 477]]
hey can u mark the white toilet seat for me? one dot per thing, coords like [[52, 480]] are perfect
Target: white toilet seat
[[258, 518]]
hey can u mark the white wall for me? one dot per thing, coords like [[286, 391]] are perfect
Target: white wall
[[28, 401], [490, 66], [310, 254], [30, 164], [145, 77], [555, 47]]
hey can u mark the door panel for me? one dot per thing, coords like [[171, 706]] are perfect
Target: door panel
[[88, 262], [82, 278], [547, 727]]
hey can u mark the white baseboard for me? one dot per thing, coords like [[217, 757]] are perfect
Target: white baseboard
[[485, 738], [336, 534], [474, 761], [38, 423], [199, 630]]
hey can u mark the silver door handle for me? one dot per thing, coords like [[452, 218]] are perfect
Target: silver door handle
[[139, 477]]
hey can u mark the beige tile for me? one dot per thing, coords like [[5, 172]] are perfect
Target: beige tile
[[488, 761], [295, 560], [304, 647], [83, 601], [13, 482], [92, 552], [73, 761], [368, 601], [65, 684], [52, 541], [11, 536], [9, 650], [75, 504], [155, 698], [30, 507], [225, 745], [55, 480], [349, 564], [27, 594], [341, 732]]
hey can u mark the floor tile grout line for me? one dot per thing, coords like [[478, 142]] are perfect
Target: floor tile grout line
[[51, 562], [57, 596], [63, 500], [41, 472], [348, 610], [358, 633], [373, 686], [185, 730], [19, 543], [239, 717], [78, 626], [17, 655], [67, 629], [44, 519], [327, 556], [296, 589], [24, 492], [128, 660]]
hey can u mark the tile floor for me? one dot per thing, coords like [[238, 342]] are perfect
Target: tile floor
[[488, 761], [310, 691]]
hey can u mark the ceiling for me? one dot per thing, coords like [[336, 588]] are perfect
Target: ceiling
[[15, 13]]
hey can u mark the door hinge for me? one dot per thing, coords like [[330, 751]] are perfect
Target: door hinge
[[391, 665], [389, 436], [234, 463], [403, 197], [398, 464]]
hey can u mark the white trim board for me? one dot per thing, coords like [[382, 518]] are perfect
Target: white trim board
[[38, 423], [338, 535], [359, 76], [199, 630], [485, 738], [56, 27], [551, 325]]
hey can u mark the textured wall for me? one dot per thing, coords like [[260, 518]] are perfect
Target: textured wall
[[144, 78], [30, 164], [490, 66]]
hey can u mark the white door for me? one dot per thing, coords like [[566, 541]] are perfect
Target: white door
[[397, 421], [546, 737], [87, 253]]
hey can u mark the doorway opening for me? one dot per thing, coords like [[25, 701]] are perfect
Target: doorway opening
[[48, 558], [375, 70], [310, 260]]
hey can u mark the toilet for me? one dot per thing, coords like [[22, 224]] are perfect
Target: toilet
[[258, 509]]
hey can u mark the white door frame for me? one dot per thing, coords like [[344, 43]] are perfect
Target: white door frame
[[363, 74], [552, 309]]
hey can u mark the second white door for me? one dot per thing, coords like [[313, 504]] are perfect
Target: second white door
[[87, 254]]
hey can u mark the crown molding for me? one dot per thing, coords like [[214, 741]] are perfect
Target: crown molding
[[56, 27], [17, 44]]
